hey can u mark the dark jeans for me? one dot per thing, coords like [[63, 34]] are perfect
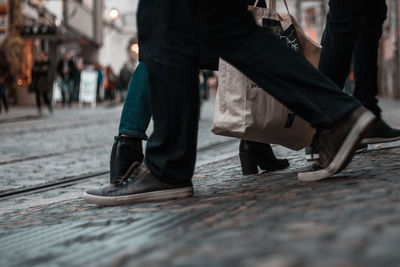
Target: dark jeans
[[352, 34], [3, 97], [136, 113], [67, 90], [169, 49]]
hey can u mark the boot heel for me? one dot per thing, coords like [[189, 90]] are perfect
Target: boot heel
[[249, 163]]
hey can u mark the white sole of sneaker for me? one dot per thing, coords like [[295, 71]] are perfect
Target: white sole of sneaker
[[346, 151], [137, 198], [380, 140]]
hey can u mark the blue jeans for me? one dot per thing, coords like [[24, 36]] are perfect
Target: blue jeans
[[67, 90], [136, 113]]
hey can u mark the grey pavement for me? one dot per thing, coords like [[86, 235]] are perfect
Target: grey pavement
[[270, 219]]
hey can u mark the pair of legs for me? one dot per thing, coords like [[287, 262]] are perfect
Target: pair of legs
[[171, 61], [169, 46], [42, 94], [3, 97], [135, 118], [66, 90], [351, 36]]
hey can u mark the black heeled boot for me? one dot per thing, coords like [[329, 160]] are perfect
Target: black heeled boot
[[125, 151], [253, 155]]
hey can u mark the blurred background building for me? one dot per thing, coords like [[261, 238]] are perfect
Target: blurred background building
[[91, 31], [104, 32]]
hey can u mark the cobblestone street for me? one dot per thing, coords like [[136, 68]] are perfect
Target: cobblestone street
[[270, 219]]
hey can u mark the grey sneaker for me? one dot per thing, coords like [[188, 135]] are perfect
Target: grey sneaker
[[137, 185]]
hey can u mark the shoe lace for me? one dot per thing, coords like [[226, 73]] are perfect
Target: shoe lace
[[133, 169]]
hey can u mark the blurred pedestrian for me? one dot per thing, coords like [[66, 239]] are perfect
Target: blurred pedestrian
[[76, 74], [123, 80], [100, 82], [42, 81], [66, 69], [4, 73], [112, 81], [169, 48], [352, 33], [208, 81]]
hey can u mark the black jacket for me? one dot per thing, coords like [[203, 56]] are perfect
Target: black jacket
[[41, 76], [71, 66]]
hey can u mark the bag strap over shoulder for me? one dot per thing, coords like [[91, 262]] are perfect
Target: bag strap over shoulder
[[272, 5], [287, 7]]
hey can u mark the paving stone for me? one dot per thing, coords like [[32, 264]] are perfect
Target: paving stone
[[269, 219]]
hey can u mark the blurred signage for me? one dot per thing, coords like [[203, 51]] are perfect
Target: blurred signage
[[3, 16], [38, 30], [88, 87]]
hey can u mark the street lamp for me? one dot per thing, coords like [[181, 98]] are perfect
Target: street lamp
[[135, 48], [114, 14]]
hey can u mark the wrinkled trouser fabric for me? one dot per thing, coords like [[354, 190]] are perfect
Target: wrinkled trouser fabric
[[352, 34], [168, 33]]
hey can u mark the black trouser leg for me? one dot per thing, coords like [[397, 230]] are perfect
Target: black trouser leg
[[46, 99], [3, 97], [344, 21], [38, 100], [365, 56], [169, 52], [283, 73], [352, 33]]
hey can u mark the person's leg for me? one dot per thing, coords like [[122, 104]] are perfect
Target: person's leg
[[5, 100], [135, 119], [70, 88], [353, 30], [170, 53], [365, 56], [136, 112], [365, 59], [47, 101], [288, 77], [2, 95], [282, 72], [343, 25], [38, 100], [63, 91]]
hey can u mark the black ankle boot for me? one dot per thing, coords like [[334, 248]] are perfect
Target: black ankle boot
[[125, 151], [253, 155]]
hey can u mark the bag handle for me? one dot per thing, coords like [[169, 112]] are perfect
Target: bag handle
[[272, 5]]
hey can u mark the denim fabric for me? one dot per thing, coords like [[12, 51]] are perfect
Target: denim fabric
[[66, 90], [169, 47], [136, 113], [352, 34]]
